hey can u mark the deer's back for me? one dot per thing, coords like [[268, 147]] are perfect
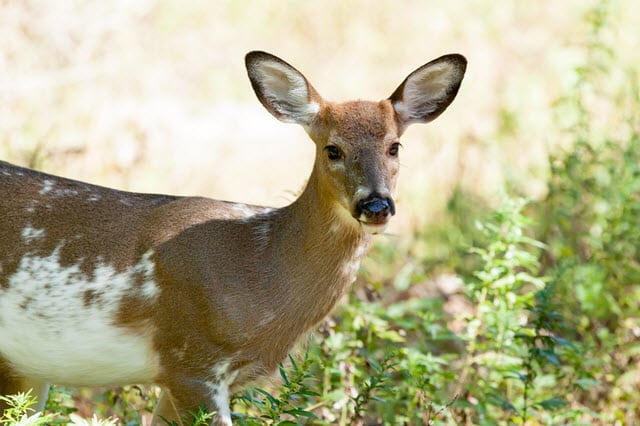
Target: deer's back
[[78, 275]]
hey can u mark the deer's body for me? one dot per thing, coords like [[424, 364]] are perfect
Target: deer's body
[[104, 287]]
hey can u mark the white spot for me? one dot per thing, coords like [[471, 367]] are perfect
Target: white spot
[[263, 234], [47, 186], [350, 271], [244, 210], [247, 212], [6, 173], [50, 329], [181, 351], [146, 267], [32, 206], [360, 252], [94, 197], [220, 391], [373, 229], [29, 234], [219, 370], [267, 318], [65, 192], [361, 193], [350, 268]]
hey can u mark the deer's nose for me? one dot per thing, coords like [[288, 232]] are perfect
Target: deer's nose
[[376, 208]]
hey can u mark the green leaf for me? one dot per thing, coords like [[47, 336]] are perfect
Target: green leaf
[[307, 392], [551, 403], [283, 374], [293, 364], [274, 402], [586, 383], [301, 412]]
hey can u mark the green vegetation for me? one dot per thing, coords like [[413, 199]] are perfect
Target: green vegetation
[[526, 313]]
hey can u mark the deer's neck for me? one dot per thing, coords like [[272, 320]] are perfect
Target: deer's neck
[[323, 246]]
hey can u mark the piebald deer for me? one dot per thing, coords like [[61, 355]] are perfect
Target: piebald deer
[[103, 287]]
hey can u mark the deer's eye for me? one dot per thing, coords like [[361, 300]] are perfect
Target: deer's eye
[[394, 148], [333, 152]]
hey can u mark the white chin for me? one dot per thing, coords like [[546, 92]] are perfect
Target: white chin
[[373, 229]]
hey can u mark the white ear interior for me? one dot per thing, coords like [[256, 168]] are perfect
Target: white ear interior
[[285, 90], [428, 91], [422, 91]]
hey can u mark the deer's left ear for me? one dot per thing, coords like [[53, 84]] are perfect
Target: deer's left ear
[[429, 90]]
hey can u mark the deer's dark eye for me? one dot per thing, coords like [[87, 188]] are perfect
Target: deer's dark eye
[[333, 152], [393, 149]]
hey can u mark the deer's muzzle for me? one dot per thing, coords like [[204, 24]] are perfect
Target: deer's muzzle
[[374, 212]]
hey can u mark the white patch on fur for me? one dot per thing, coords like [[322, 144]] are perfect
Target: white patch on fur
[[51, 331], [244, 210], [220, 369], [219, 389], [32, 206], [29, 234], [361, 193], [65, 192], [373, 229], [263, 235], [94, 197], [269, 316], [146, 266], [181, 351], [47, 186], [350, 271], [351, 267]]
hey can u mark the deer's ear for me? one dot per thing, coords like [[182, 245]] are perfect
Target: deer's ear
[[282, 89], [429, 90]]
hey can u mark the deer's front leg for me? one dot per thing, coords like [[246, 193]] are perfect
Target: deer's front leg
[[182, 399]]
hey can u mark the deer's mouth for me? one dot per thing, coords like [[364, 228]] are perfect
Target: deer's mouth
[[374, 228]]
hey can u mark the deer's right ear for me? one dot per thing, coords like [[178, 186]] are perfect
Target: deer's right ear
[[429, 90], [282, 89]]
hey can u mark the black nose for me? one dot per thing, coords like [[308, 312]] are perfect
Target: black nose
[[376, 207]]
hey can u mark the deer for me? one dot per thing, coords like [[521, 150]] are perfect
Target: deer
[[102, 287]]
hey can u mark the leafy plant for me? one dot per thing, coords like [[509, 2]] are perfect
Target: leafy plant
[[591, 217], [263, 407], [20, 413]]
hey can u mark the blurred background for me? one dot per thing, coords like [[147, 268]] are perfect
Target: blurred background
[[152, 96]]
